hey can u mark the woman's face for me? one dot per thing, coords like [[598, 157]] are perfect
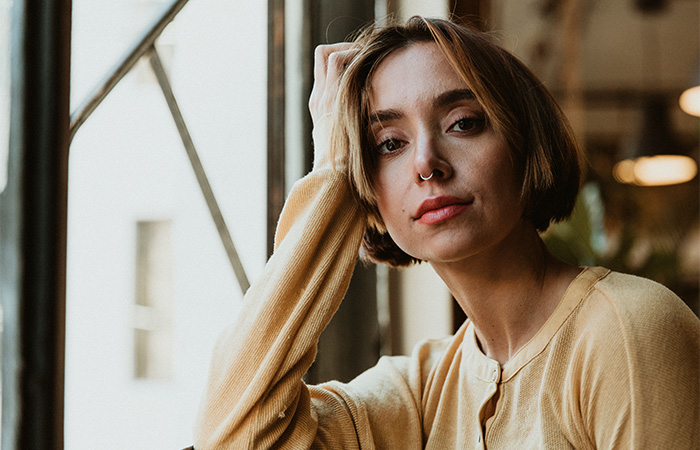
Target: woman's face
[[426, 120]]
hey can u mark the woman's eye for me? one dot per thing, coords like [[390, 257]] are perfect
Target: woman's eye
[[389, 146], [472, 124]]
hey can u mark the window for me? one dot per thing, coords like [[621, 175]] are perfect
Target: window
[[149, 285]]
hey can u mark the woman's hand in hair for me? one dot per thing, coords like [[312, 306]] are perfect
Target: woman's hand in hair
[[330, 62]]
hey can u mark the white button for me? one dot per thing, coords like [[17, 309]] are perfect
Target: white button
[[494, 375]]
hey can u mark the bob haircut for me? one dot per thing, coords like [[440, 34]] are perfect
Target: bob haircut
[[516, 104]]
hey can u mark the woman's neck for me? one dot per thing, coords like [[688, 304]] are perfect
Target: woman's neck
[[508, 292]]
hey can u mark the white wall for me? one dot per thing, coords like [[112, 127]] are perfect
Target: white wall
[[127, 164], [425, 309], [429, 8]]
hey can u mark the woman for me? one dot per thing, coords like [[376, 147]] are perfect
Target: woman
[[434, 144]]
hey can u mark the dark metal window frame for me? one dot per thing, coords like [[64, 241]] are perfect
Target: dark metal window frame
[[33, 227]]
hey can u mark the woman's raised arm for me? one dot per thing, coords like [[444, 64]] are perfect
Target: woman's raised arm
[[255, 398]]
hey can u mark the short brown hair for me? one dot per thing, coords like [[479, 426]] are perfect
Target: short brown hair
[[517, 105]]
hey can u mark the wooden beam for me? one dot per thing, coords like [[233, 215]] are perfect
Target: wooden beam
[[275, 118]]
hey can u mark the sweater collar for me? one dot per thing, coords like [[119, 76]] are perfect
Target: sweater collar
[[477, 363]]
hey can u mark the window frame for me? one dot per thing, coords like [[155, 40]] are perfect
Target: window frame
[[33, 231]]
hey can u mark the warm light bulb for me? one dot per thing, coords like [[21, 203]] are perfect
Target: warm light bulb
[[624, 171], [690, 101], [659, 170]]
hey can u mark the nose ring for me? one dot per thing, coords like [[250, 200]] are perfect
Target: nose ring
[[428, 177]]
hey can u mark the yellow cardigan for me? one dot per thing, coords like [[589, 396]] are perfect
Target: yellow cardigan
[[616, 366]]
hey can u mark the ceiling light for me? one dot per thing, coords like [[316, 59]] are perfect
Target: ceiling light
[[690, 98], [654, 156]]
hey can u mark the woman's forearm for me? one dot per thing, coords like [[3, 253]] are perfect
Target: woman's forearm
[[255, 394]]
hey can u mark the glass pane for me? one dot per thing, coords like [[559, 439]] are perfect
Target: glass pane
[[102, 31], [135, 207]]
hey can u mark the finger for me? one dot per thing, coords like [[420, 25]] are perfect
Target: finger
[[337, 63], [321, 55], [330, 62]]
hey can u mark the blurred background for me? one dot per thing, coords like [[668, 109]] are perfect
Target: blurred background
[[177, 178]]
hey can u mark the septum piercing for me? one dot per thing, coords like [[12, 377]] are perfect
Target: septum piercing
[[426, 178]]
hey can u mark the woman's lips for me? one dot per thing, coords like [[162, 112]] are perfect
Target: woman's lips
[[439, 209]]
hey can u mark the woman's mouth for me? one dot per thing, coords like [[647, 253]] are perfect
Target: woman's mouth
[[439, 209]]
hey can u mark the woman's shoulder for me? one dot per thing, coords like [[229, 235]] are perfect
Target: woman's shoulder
[[637, 309], [630, 346], [633, 296]]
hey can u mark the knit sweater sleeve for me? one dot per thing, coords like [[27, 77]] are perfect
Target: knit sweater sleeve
[[255, 397]]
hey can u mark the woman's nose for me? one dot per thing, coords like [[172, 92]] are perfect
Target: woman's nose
[[429, 164]]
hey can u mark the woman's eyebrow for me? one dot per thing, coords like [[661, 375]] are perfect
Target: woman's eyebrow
[[384, 115], [453, 96]]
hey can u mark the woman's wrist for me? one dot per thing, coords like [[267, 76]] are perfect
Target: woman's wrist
[[324, 156]]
